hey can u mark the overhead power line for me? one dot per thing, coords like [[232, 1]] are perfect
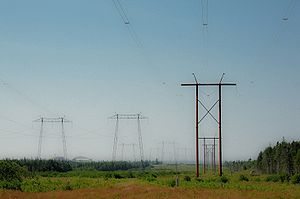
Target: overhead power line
[[204, 5], [16, 133], [289, 10], [15, 122], [122, 13], [204, 20], [24, 96]]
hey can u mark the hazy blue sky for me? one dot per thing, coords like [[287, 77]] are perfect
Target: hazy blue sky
[[77, 58]]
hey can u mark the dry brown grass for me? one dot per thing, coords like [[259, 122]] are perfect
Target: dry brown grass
[[143, 191]]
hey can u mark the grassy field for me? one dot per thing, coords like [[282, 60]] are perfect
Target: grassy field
[[158, 182]]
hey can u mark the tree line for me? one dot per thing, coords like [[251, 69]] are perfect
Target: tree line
[[110, 165], [239, 165], [41, 165], [284, 157]]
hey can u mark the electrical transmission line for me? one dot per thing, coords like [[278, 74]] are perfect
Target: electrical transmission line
[[24, 96], [204, 20], [122, 13]]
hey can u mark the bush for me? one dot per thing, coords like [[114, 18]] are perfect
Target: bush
[[224, 179], [243, 178], [33, 185], [68, 187], [257, 180], [296, 179], [199, 180], [150, 178], [11, 171], [278, 177], [112, 175], [11, 174], [284, 177], [108, 175], [171, 183], [129, 175], [273, 178], [118, 176], [187, 178], [154, 175], [14, 184]]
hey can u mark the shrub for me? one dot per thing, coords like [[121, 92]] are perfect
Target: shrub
[[224, 179], [187, 178], [154, 175], [13, 184], [199, 180], [171, 183], [257, 180], [243, 178], [11, 174], [150, 178], [68, 187], [284, 177], [33, 185], [118, 176], [108, 175], [11, 171], [273, 178], [129, 175], [278, 177], [296, 179], [253, 173]]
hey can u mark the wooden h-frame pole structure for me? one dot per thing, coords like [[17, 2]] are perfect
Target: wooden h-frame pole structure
[[219, 120], [213, 150]]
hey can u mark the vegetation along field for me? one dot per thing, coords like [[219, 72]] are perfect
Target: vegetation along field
[[265, 177]]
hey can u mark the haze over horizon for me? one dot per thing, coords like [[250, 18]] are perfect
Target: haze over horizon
[[81, 60]]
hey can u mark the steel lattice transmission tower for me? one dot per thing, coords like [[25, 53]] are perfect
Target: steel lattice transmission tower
[[59, 120], [138, 117]]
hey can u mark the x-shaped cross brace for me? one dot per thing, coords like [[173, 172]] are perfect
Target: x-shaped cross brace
[[208, 111]]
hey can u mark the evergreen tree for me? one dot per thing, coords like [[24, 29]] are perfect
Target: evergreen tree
[[283, 158]]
